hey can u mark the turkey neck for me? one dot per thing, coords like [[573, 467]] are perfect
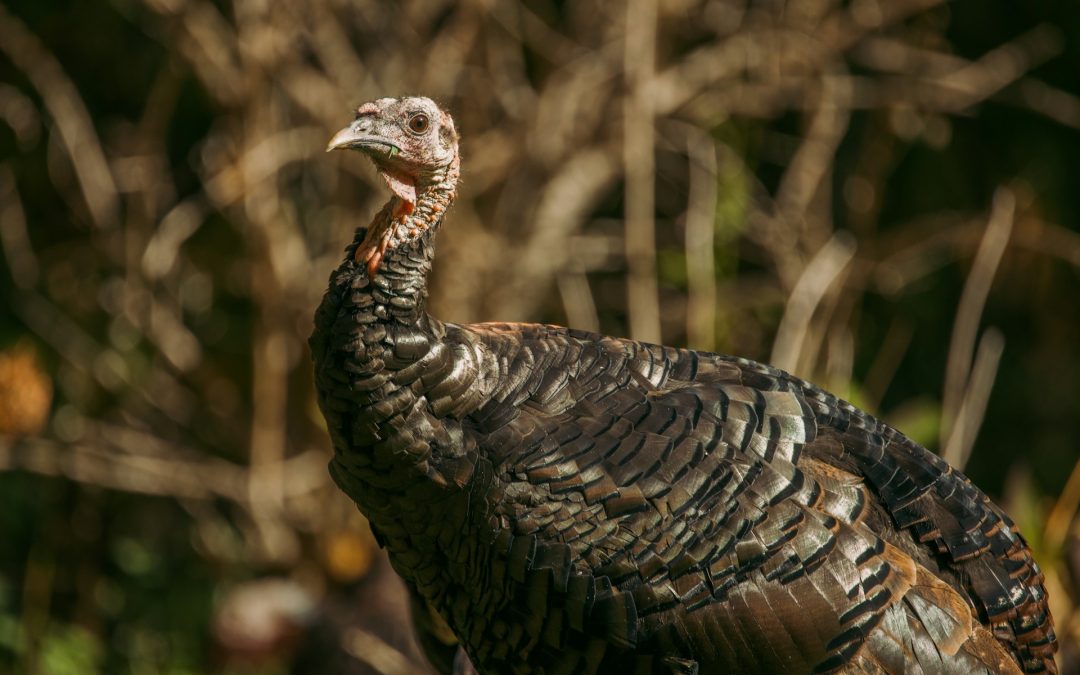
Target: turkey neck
[[381, 363], [408, 232]]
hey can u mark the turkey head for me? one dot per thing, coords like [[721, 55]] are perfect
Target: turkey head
[[414, 146]]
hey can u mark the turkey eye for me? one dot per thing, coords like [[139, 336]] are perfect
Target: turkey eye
[[419, 123]]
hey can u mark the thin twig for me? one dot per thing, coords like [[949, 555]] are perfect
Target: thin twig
[[1001, 66], [700, 236], [174, 473], [578, 301], [817, 278], [1064, 512], [887, 362], [1060, 106], [68, 111], [14, 238], [970, 308], [640, 53], [372, 650], [969, 418], [804, 178]]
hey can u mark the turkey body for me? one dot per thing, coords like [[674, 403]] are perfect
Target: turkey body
[[572, 503], [569, 502]]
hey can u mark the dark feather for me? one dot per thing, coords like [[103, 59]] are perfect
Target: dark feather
[[569, 502]]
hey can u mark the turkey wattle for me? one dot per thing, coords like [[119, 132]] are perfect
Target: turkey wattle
[[573, 503]]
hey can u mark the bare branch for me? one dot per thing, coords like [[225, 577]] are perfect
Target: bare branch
[[969, 311], [72, 120], [1058, 105], [969, 418], [638, 141], [817, 278], [372, 650], [700, 235], [14, 237], [1063, 514], [578, 300], [168, 472], [1001, 66]]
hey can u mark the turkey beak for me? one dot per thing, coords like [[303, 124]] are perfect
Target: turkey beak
[[342, 139], [357, 135]]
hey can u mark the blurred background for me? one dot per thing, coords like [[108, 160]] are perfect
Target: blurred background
[[880, 196]]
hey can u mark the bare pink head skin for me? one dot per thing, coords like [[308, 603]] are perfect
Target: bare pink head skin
[[414, 146]]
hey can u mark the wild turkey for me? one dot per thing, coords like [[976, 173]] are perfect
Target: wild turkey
[[573, 503]]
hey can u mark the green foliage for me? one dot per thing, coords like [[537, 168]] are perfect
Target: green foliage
[[71, 650]]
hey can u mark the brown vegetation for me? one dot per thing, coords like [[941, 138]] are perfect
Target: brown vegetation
[[732, 175]]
